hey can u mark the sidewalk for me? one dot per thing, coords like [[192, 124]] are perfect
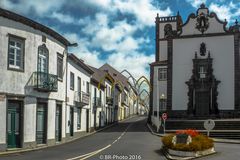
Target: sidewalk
[[217, 140], [21, 150]]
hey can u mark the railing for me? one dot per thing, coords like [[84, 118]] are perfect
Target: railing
[[168, 19], [109, 100], [81, 97], [45, 82]]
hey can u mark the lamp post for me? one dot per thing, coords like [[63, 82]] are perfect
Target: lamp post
[[162, 97]]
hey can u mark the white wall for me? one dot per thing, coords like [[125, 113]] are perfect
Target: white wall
[[19, 80], [3, 111], [30, 106], [85, 77], [163, 50], [51, 110], [159, 88], [222, 52], [190, 27]]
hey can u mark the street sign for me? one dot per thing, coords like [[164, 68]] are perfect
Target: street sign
[[209, 125], [164, 116]]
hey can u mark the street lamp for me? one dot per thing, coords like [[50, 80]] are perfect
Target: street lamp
[[162, 97]]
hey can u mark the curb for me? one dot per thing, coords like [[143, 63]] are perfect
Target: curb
[[43, 147], [216, 140]]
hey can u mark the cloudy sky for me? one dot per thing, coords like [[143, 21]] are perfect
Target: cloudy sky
[[119, 32]]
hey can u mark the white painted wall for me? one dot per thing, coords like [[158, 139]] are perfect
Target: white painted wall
[[190, 27], [51, 110], [3, 110], [85, 77], [19, 80], [159, 88], [30, 119], [163, 50], [222, 52]]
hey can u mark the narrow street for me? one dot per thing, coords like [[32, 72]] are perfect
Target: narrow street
[[130, 139]]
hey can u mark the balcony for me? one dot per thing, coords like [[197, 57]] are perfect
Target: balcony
[[124, 103], [45, 82], [81, 98], [97, 102], [109, 100]]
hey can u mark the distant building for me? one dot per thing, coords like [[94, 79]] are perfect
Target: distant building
[[78, 107], [196, 72]]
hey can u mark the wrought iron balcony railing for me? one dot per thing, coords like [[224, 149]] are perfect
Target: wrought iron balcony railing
[[45, 82], [109, 100], [81, 97]]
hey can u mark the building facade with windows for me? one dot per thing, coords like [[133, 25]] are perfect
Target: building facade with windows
[[48, 96], [78, 109], [196, 71], [32, 83]]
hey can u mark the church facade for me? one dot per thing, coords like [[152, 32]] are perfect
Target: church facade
[[196, 72]]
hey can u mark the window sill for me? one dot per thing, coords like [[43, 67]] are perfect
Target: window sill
[[15, 69]]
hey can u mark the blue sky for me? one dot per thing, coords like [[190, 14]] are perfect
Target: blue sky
[[119, 32]]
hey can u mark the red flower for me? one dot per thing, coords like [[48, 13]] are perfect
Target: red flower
[[190, 132]]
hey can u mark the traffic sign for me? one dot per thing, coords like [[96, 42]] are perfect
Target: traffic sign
[[209, 125], [164, 116]]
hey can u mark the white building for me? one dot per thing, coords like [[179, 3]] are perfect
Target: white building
[[196, 72], [78, 109], [99, 113], [32, 83]]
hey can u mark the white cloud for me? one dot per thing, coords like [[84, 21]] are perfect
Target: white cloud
[[228, 12], [82, 51], [63, 17], [135, 63], [196, 3], [33, 6], [143, 10]]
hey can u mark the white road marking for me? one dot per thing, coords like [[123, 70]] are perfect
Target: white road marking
[[88, 155]]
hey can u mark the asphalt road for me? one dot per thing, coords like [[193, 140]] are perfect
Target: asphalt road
[[129, 140]]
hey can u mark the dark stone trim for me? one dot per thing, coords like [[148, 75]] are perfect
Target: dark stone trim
[[151, 94], [236, 72], [169, 73], [157, 54], [211, 15], [224, 23], [26, 21], [23, 54], [199, 36]]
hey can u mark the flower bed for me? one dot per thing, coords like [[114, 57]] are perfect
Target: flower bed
[[199, 142]]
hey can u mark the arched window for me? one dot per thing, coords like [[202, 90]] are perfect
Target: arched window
[[43, 56]]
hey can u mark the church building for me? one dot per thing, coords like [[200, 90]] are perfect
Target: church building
[[196, 73]]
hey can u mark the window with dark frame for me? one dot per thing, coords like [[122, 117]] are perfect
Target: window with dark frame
[[71, 81], [79, 111], [60, 66], [88, 88], [16, 53], [162, 74], [100, 96]]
